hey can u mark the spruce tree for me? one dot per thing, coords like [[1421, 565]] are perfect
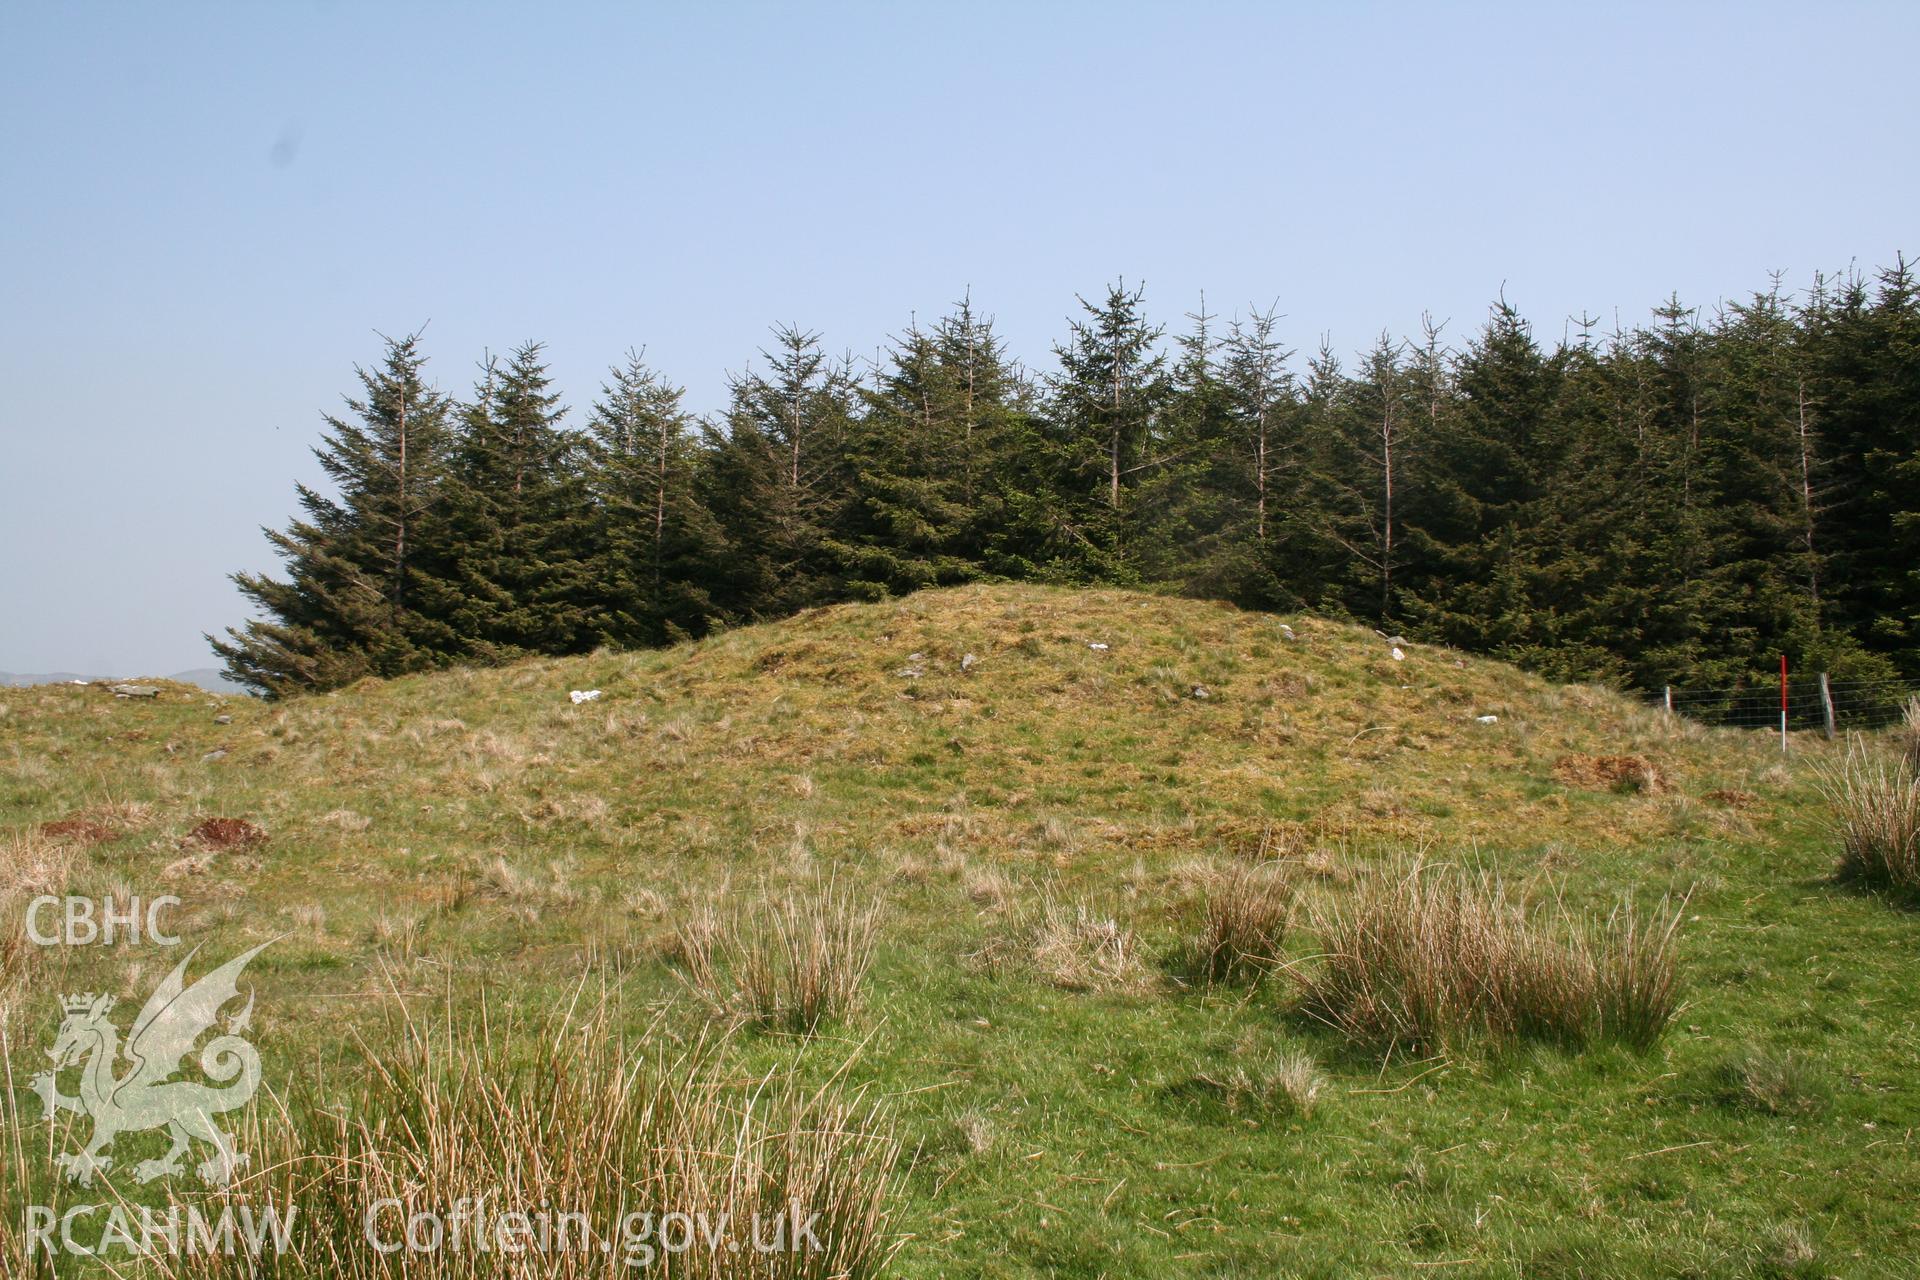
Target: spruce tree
[[1008, 477], [1263, 408], [1105, 404], [517, 518], [778, 479], [1187, 522], [651, 537], [1477, 484], [905, 526], [356, 564], [1864, 362], [1356, 488], [1678, 503]]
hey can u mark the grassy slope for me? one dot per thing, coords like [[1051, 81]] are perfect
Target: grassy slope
[[474, 827]]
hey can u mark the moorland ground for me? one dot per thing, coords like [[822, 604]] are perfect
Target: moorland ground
[[1038, 792]]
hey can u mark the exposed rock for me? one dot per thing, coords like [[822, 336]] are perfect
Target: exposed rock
[[1200, 691], [968, 662], [218, 753], [223, 719], [1097, 647], [135, 691], [1398, 655], [1488, 719], [1287, 631], [584, 695]]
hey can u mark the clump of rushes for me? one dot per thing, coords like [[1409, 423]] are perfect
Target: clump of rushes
[[470, 1125], [1243, 924], [1423, 957], [792, 961], [1875, 804], [1910, 735], [1636, 973]]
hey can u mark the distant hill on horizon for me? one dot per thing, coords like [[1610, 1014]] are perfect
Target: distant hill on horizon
[[212, 679]]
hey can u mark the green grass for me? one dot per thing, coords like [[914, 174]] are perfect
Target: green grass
[[473, 836]]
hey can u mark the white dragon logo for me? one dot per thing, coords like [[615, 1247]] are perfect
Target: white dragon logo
[[147, 1096]]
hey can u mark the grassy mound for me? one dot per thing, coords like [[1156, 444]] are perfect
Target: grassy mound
[[1049, 878]]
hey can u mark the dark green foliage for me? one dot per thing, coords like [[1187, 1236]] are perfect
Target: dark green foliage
[[517, 519], [356, 563], [1678, 503], [1105, 408], [651, 537], [779, 481], [931, 458]]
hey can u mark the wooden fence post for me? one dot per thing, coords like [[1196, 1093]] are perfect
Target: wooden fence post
[[1669, 699], [1826, 703]]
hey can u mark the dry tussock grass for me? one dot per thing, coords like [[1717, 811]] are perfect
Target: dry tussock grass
[[81, 831], [988, 888], [346, 820], [31, 864], [1773, 1083], [1875, 803], [397, 933], [127, 815], [792, 960], [1083, 949], [585, 808], [1909, 737], [1075, 946], [572, 1118], [1270, 1084], [525, 891], [1424, 957]]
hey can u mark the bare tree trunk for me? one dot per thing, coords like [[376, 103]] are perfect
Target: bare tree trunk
[[795, 473], [400, 529], [966, 453], [1260, 470], [1386, 506], [660, 507], [1805, 432]]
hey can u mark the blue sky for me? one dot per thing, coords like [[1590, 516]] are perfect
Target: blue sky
[[208, 210]]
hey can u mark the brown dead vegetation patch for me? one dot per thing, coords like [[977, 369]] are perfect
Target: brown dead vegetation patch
[[1733, 797], [1609, 773], [78, 829], [227, 833]]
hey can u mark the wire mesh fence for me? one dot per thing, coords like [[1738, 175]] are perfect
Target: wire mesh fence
[[1841, 705]]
